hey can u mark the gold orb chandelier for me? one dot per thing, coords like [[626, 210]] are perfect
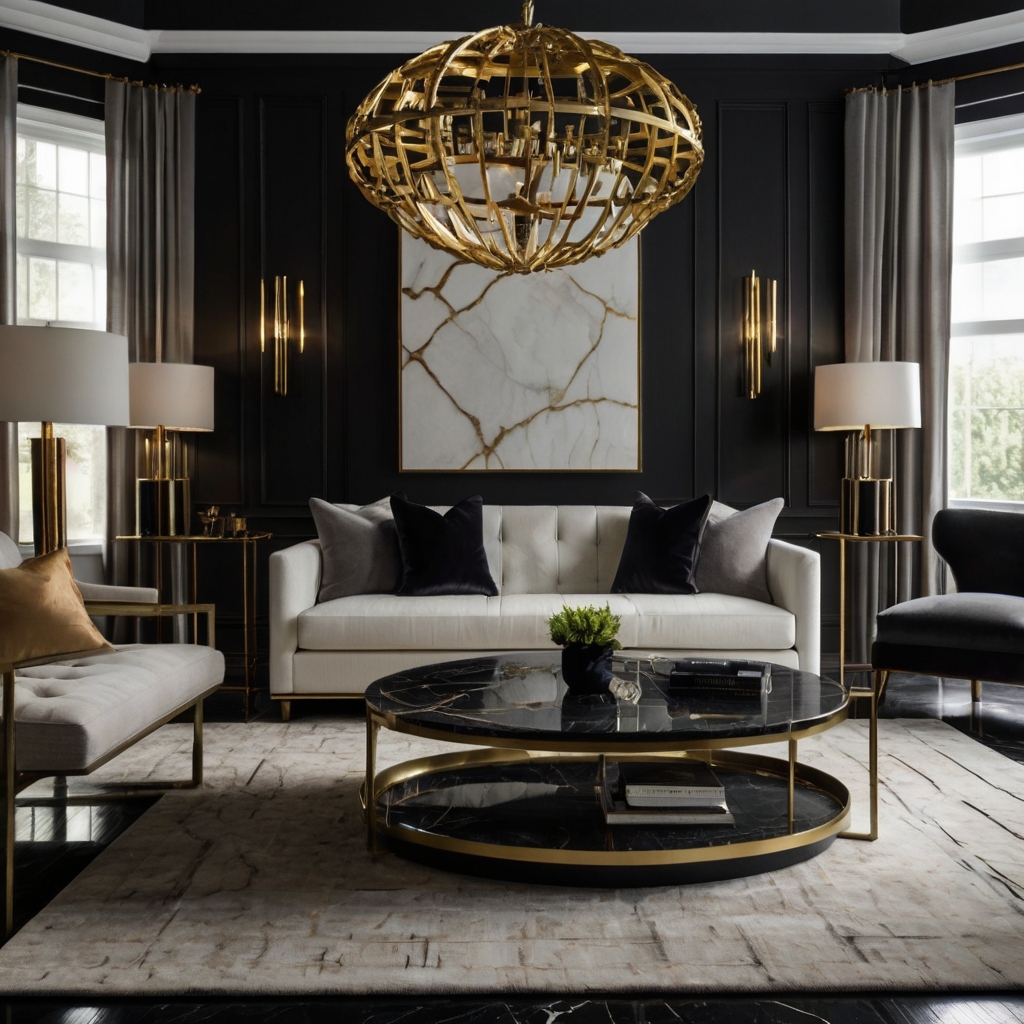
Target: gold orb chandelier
[[524, 147]]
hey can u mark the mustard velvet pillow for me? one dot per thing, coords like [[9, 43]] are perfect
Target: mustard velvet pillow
[[42, 612]]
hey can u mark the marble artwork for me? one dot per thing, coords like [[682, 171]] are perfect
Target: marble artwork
[[261, 884], [519, 372]]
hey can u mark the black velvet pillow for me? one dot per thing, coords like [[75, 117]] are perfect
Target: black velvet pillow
[[662, 544], [442, 554]]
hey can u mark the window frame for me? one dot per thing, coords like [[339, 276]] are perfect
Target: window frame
[[985, 136], [62, 128]]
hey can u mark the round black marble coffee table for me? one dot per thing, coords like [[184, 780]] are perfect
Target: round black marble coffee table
[[522, 804]]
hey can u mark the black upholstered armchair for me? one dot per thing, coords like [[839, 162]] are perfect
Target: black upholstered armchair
[[976, 633]]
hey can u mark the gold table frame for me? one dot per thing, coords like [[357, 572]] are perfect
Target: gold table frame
[[250, 654], [873, 693], [505, 749]]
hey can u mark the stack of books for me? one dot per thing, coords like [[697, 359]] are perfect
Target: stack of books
[[663, 793], [723, 677]]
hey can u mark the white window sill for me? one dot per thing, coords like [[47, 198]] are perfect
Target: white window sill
[[75, 548], [993, 506]]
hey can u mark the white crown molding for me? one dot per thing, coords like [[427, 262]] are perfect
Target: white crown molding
[[66, 26], [983, 34]]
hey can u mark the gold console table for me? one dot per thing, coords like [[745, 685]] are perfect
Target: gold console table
[[248, 546]]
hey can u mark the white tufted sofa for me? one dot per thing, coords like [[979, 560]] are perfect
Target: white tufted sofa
[[540, 556]]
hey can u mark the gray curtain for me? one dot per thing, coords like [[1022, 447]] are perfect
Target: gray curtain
[[150, 138], [8, 265], [899, 227]]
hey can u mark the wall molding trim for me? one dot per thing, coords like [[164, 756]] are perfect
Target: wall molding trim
[[66, 26]]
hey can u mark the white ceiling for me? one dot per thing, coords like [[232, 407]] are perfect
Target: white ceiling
[[67, 26]]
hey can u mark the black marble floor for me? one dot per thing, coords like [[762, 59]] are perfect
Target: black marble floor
[[855, 1009], [62, 844]]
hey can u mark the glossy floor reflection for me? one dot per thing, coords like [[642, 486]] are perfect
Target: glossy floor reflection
[[594, 1010], [55, 845]]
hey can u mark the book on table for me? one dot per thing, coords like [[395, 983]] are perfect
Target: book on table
[[721, 676], [653, 784], [692, 796]]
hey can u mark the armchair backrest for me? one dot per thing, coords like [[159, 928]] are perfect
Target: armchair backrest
[[984, 550], [10, 556]]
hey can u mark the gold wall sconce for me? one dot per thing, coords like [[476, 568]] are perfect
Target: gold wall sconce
[[281, 328], [760, 328]]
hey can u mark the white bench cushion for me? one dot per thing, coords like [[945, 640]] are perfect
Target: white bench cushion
[[70, 714], [368, 622]]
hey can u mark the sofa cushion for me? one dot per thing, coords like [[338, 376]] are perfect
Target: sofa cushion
[[661, 548], [360, 548], [70, 714], [42, 612], [472, 622], [733, 549], [442, 554]]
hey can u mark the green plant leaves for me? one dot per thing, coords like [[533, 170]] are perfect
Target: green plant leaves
[[585, 625]]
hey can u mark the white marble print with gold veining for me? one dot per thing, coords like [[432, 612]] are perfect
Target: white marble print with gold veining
[[519, 372]]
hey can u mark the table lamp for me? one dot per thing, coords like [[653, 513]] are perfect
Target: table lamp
[[59, 375], [861, 397], [167, 398]]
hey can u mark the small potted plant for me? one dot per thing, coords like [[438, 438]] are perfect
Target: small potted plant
[[587, 638]]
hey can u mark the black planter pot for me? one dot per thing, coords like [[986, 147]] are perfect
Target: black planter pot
[[587, 668]]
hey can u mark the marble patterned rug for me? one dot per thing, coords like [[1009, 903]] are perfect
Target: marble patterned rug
[[261, 884]]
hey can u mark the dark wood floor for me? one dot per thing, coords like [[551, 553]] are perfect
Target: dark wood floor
[[55, 844]]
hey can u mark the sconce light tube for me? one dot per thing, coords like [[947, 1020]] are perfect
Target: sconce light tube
[[282, 328], [760, 329]]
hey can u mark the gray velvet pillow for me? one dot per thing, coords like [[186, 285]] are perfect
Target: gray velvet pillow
[[733, 550], [360, 549]]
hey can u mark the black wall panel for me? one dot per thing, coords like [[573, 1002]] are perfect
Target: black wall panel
[[753, 233], [219, 298], [292, 236]]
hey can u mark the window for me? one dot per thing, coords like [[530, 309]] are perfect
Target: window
[[986, 361], [62, 280]]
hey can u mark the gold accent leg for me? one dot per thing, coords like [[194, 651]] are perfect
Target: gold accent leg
[[370, 784], [842, 612], [792, 783], [881, 677], [286, 710], [197, 745], [975, 691], [9, 780]]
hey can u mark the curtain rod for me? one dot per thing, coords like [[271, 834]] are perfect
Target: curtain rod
[[101, 74], [945, 81]]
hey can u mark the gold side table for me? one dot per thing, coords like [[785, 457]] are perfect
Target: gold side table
[[248, 546], [868, 693], [853, 538]]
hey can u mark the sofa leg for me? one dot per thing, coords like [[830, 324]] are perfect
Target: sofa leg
[[286, 710], [975, 690]]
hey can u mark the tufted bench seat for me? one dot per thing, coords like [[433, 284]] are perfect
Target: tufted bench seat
[[72, 715]]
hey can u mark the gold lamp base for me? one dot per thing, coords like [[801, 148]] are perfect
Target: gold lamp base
[[49, 506], [865, 508], [161, 507]]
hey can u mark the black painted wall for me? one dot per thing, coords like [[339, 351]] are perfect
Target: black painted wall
[[273, 197]]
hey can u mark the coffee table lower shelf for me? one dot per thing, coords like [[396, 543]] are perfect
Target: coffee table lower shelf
[[532, 817]]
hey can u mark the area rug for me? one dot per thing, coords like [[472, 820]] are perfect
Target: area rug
[[261, 884]]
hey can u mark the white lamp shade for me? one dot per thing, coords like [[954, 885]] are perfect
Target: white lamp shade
[[178, 396], [63, 375], [882, 395]]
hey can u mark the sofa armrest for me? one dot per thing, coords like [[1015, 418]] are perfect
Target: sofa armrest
[[294, 584], [794, 578]]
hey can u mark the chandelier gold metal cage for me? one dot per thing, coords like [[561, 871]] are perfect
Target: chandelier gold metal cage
[[524, 148]]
